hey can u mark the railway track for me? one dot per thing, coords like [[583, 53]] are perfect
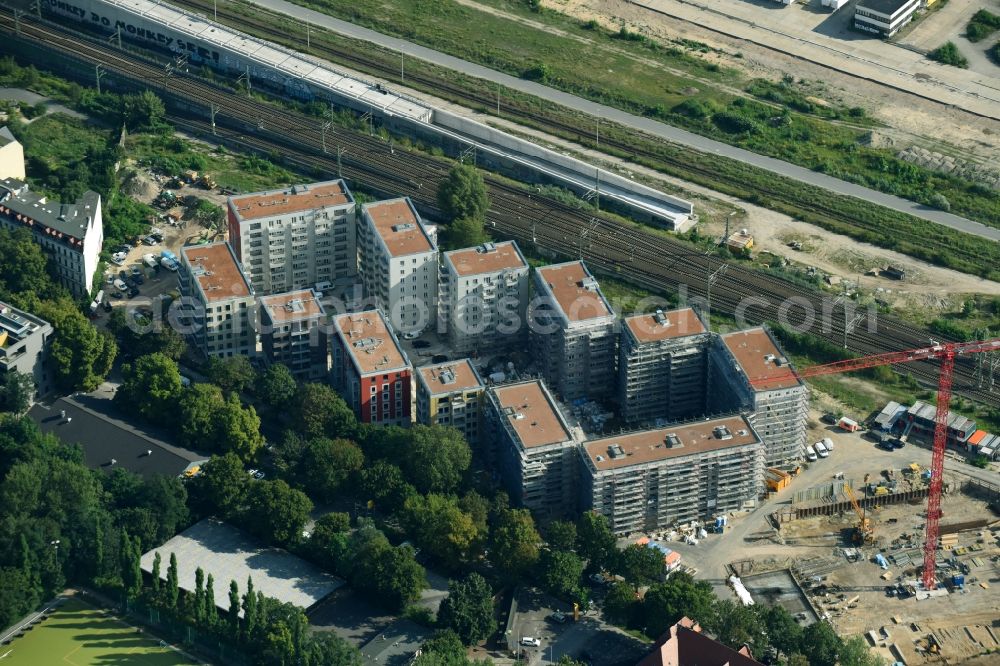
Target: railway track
[[611, 247]]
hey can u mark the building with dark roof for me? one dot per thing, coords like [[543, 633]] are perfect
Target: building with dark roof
[[684, 644], [885, 17]]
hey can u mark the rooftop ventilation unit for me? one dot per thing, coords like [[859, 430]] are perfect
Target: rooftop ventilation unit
[[519, 416], [508, 411], [488, 247], [722, 432], [672, 441], [447, 376], [366, 343], [661, 318], [589, 283], [600, 459], [616, 452], [742, 433], [405, 226], [781, 361], [295, 305]]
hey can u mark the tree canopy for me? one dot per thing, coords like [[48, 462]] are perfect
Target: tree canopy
[[462, 195], [468, 609]]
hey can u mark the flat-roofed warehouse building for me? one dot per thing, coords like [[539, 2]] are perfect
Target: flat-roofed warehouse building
[[885, 17], [536, 447], [482, 290], [573, 332], [749, 373], [369, 368], [296, 237], [663, 366], [399, 263], [292, 333], [224, 323], [648, 480], [451, 394]]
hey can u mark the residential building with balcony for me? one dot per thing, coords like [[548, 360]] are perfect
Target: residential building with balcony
[[223, 319], [452, 394], [369, 369], [292, 332], [663, 366], [295, 238], [573, 333], [399, 263], [483, 297], [24, 346]]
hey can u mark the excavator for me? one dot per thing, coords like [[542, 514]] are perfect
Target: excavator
[[865, 531]]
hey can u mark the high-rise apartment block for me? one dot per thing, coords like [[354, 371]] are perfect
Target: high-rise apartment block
[[223, 323], [573, 333], [663, 366], [451, 394], [369, 368], [11, 156], [750, 373], [483, 297], [295, 238], [536, 448], [648, 480], [292, 333], [24, 345], [70, 234], [399, 263]]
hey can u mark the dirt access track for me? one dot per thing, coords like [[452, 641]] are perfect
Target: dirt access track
[[922, 102]]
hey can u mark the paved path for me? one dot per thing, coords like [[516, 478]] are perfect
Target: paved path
[[644, 124]]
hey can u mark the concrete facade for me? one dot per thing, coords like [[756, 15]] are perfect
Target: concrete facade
[[574, 332], [749, 373], [292, 333], [885, 17], [295, 238], [224, 321], [452, 394], [399, 263], [11, 156], [369, 369], [535, 446], [70, 234], [663, 367], [24, 343], [648, 480], [483, 293]]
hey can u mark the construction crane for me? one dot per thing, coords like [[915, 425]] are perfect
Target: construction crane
[[946, 353], [866, 531]]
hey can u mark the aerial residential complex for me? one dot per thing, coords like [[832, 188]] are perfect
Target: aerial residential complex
[[24, 341], [224, 321], [399, 263], [483, 297], [370, 370], [451, 394], [663, 366], [650, 479], [295, 238], [292, 332], [573, 340]]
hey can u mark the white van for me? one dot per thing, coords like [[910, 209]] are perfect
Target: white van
[[821, 450], [120, 285], [828, 443], [811, 454]]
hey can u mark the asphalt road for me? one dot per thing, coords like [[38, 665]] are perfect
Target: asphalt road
[[647, 125]]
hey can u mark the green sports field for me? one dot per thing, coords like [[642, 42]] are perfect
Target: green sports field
[[80, 635]]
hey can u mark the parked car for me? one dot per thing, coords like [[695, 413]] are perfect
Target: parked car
[[597, 579], [897, 443], [886, 445], [149, 240], [811, 454], [411, 335], [830, 419], [530, 641], [439, 358], [133, 291], [120, 285], [421, 344], [150, 260], [107, 306], [821, 450], [558, 617]]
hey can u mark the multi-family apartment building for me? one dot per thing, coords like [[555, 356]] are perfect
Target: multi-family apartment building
[[222, 319], [399, 263], [24, 344], [296, 237], [535, 446], [483, 297], [11, 156], [750, 373], [369, 369], [452, 394], [648, 480], [663, 366], [293, 333], [70, 234], [573, 332]]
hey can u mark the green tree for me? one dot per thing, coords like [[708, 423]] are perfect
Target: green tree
[[855, 652], [948, 54], [391, 574], [324, 648], [151, 387], [250, 618], [327, 464], [16, 392], [621, 604], [328, 543], [559, 573], [143, 111], [197, 415], [239, 429], [24, 275], [173, 591], [438, 458], [666, 603], [515, 542], [198, 602], [445, 649], [463, 194], [384, 483], [276, 512], [222, 486], [80, 355], [155, 576], [276, 386], [318, 411], [210, 612], [784, 633], [465, 232], [735, 625], [468, 609], [233, 617], [440, 527], [233, 373], [561, 535], [640, 565], [820, 644], [594, 541]]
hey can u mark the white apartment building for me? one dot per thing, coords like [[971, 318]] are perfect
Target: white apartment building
[[399, 263], [295, 238], [483, 297], [223, 320], [573, 332], [71, 234], [11, 156], [24, 347]]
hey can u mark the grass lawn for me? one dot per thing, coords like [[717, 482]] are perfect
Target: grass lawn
[[81, 635]]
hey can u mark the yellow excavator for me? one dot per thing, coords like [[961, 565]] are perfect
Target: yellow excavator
[[865, 531]]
